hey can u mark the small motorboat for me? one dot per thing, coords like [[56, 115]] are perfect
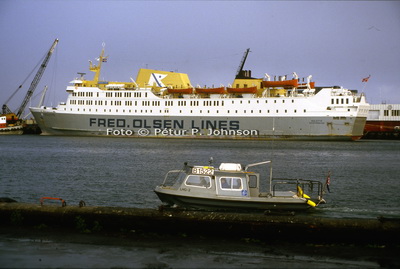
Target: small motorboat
[[234, 187]]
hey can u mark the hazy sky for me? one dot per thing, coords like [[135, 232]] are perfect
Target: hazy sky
[[338, 42]]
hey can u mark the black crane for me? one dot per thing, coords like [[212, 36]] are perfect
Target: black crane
[[35, 82], [239, 72]]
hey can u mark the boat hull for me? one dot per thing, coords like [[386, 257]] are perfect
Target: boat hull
[[286, 128], [229, 204], [14, 130]]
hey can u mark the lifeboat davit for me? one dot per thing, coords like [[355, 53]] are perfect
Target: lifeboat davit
[[181, 91], [280, 83], [219, 90], [242, 90]]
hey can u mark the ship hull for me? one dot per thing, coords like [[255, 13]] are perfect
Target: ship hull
[[286, 128]]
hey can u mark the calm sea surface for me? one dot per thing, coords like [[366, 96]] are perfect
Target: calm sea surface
[[365, 175]]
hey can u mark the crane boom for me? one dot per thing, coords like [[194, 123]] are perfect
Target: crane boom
[[241, 65], [36, 79]]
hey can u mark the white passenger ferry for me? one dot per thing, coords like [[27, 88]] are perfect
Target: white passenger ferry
[[165, 104]]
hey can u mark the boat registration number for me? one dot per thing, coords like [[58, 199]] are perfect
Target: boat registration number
[[203, 170]]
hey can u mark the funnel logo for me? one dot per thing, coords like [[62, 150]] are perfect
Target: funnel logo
[[156, 79]]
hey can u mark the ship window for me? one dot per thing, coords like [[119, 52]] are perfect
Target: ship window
[[347, 100], [198, 181], [333, 101], [231, 183]]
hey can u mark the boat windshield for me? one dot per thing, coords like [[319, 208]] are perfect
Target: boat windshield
[[174, 178]]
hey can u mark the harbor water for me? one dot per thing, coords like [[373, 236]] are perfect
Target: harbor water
[[112, 171]]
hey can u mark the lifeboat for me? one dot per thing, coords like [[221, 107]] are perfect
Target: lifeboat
[[181, 91], [242, 90], [219, 90], [304, 85], [279, 83]]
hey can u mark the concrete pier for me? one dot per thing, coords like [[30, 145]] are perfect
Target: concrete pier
[[297, 228]]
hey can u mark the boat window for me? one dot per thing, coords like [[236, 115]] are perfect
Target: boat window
[[198, 181], [234, 183]]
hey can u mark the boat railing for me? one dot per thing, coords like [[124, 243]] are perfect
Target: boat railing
[[309, 186]]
